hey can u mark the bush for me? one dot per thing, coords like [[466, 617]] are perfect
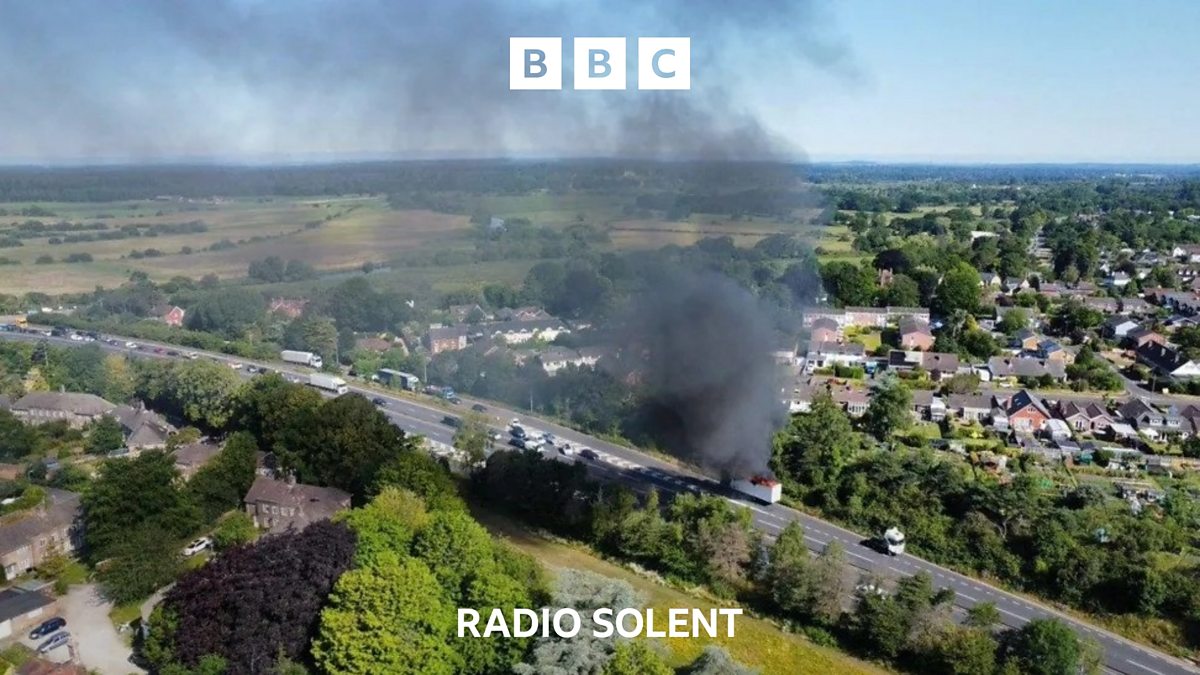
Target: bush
[[235, 529]]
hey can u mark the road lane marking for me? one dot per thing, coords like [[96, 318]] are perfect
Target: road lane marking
[[1144, 667]]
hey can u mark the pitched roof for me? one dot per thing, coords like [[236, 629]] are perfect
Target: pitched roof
[[974, 401], [58, 511], [1089, 409], [942, 362], [1162, 357], [14, 602], [825, 323], [848, 348], [64, 401], [1025, 366], [1022, 400], [195, 454], [447, 332], [910, 325]]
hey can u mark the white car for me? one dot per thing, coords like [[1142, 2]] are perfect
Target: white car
[[235, 365], [191, 355], [131, 345], [201, 544]]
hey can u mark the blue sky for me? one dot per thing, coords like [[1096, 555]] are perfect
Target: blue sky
[[303, 80], [1102, 80]]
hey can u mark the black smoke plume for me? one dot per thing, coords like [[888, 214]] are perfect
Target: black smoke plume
[[699, 347]]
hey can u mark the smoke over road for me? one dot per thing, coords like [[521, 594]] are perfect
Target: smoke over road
[[700, 345]]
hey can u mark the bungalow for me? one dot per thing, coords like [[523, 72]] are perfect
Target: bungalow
[[1181, 302], [915, 334], [926, 406], [1118, 327], [1103, 305], [1167, 361], [1187, 253], [289, 307], [1015, 285], [830, 354], [1117, 280], [825, 329], [989, 279], [971, 407], [78, 410], [525, 313], [555, 359], [285, 505], [1053, 351], [1085, 415], [1026, 367], [1139, 413], [1026, 414], [460, 313], [854, 401], [1136, 306], [520, 332]]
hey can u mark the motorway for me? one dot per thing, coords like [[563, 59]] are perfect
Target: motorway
[[420, 415]]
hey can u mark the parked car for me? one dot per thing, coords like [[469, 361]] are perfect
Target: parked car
[[57, 640], [201, 544], [47, 627], [479, 407]]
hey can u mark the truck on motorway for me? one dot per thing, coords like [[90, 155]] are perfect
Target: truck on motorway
[[328, 383], [893, 541], [761, 488], [396, 378], [301, 358]]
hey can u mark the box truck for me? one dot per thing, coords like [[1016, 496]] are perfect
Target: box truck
[[301, 358], [396, 378], [761, 488], [328, 383]]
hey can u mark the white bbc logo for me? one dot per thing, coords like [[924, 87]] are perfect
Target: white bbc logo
[[662, 63]]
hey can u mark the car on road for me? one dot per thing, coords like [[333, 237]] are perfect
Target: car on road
[[235, 365], [159, 350], [566, 448], [380, 401], [589, 454], [191, 355], [479, 407], [172, 352], [452, 421], [47, 627], [132, 345], [57, 640], [201, 544]]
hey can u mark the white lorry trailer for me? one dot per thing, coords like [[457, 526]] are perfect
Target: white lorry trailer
[[301, 358], [328, 383], [893, 539], [761, 488]]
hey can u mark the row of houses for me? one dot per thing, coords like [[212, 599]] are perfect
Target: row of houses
[[826, 355], [864, 317], [457, 337], [144, 429]]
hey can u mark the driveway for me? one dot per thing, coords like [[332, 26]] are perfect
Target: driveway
[[95, 641]]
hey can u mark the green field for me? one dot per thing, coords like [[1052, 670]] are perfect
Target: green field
[[758, 643]]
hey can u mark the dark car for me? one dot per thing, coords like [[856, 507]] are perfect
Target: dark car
[[158, 350], [452, 421], [172, 352], [47, 627], [589, 454], [381, 402], [479, 407]]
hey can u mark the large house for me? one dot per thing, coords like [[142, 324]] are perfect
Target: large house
[[915, 334], [1167, 361], [285, 505], [28, 537], [447, 339], [144, 429], [77, 410]]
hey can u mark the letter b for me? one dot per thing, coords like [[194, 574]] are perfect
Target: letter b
[[535, 63], [599, 63]]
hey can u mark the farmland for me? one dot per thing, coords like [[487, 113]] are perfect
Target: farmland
[[67, 247]]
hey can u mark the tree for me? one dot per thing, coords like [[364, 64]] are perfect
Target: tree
[[958, 291], [716, 661], [635, 657], [902, 292], [132, 493], [963, 651], [203, 391], [848, 284], [220, 485], [387, 523], [889, 410], [983, 615], [227, 311], [1044, 647], [454, 546], [16, 438], [235, 529], [422, 475], [273, 410], [810, 454], [472, 438], [789, 572], [105, 435], [142, 561], [275, 587], [1013, 321], [391, 617]]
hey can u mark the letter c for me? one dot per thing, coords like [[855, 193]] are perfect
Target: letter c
[[654, 63]]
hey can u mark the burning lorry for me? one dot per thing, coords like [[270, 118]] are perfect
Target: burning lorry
[[761, 488]]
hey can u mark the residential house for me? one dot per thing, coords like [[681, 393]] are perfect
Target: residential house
[[812, 316], [460, 313], [1182, 302], [830, 354], [971, 407], [525, 313], [1026, 340], [989, 280], [915, 334], [1102, 304], [867, 317], [1139, 413], [21, 609], [802, 397], [285, 505], [1014, 285], [144, 429], [191, 457], [1118, 327], [447, 339], [555, 359], [1026, 367], [864, 317], [825, 329], [172, 316], [1189, 253], [30, 536], [937, 364], [1051, 350], [519, 332], [288, 307], [1142, 336], [1167, 361], [1117, 280], [1026, 413], [854, 401], [927, 406], [1136, 306], [1085, 416], [78, 410], [1058, 430]]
